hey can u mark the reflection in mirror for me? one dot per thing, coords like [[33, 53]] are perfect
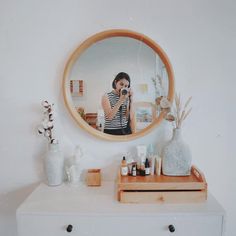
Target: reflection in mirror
[[92, 74]]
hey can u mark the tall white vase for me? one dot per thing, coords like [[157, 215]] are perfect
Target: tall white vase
[[177, 157], [54, 165]]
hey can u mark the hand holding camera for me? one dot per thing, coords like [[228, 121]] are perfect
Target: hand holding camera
[[126, 93]]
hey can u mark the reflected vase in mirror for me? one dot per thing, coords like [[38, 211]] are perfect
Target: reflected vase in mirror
[[176, 156], [54, 165]]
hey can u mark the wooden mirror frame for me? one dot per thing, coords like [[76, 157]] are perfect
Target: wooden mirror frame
[[92, 40]]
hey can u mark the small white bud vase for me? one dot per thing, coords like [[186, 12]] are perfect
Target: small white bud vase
[[177, 157], [54, 165]]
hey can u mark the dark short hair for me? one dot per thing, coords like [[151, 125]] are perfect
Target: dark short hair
[[120, 76]]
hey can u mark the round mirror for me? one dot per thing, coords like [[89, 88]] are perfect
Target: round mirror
[[118, 72]]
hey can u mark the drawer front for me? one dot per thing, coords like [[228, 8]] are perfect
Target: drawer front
[[56, 225], [159, 226]]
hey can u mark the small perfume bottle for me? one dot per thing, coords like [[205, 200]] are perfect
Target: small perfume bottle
[[147, 167], [124, 167], [134, 173]]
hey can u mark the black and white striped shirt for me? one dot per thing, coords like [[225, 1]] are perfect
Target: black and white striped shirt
[[119, 121]]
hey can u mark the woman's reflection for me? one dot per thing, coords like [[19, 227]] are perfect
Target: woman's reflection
[[118, 107]]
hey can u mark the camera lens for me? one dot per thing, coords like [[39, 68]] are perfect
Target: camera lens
[[124, 91]]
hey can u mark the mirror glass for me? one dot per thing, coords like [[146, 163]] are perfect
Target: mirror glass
[[92, 70]]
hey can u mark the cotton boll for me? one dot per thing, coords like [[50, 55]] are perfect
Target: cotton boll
[[51, 109], [45, 118], [40, 130], [170, 117], [164, 103], [51, 116], [50, 124], [47, 133], [54, 141], [45, 104], [45, 124]]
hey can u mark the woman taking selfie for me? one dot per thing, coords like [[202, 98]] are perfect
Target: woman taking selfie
[[118, 107]]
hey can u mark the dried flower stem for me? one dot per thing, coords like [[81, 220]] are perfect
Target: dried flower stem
[[158, 85], [187, 113], [47, 125], [181, 115]]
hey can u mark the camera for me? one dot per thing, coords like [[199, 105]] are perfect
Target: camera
[[124, 91]]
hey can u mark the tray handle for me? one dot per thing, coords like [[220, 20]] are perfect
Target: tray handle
[[199, 174]]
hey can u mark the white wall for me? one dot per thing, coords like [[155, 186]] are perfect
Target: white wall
[[36, 38]]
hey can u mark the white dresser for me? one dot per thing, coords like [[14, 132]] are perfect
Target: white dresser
[[88, 211]]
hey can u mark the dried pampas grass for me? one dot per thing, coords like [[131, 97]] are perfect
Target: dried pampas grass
[[181, 114]]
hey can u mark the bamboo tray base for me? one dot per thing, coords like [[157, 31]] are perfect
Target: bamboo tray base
[[162, 189]]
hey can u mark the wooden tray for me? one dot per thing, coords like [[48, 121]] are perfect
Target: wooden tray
[[161, 189]]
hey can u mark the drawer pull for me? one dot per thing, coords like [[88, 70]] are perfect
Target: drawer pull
[[171, 228], [69, 228]]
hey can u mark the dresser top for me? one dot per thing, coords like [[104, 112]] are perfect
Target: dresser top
[[82, 200]]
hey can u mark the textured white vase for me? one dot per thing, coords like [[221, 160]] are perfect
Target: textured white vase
[[177, 157], [54, 165]]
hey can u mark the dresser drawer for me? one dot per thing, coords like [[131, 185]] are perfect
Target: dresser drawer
[[56, 225]]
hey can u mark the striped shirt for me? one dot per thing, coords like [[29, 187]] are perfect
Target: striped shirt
[[119, 121]]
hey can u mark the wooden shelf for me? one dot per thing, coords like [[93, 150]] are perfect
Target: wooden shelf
[[160, 189]]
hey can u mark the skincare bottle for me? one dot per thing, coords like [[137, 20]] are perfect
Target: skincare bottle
[[151, 158], [142, 153], [147, 167], [142, 169], [138, 169], [124, 167], [134, 173], [129, 162], [158, 166]]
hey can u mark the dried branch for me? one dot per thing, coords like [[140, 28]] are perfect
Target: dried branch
[[46, 126], [158, 85], [188, 101], [188, 112], [180, 114]]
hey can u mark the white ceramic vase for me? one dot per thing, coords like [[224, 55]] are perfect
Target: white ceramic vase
[[176, 156], [54, 165]]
